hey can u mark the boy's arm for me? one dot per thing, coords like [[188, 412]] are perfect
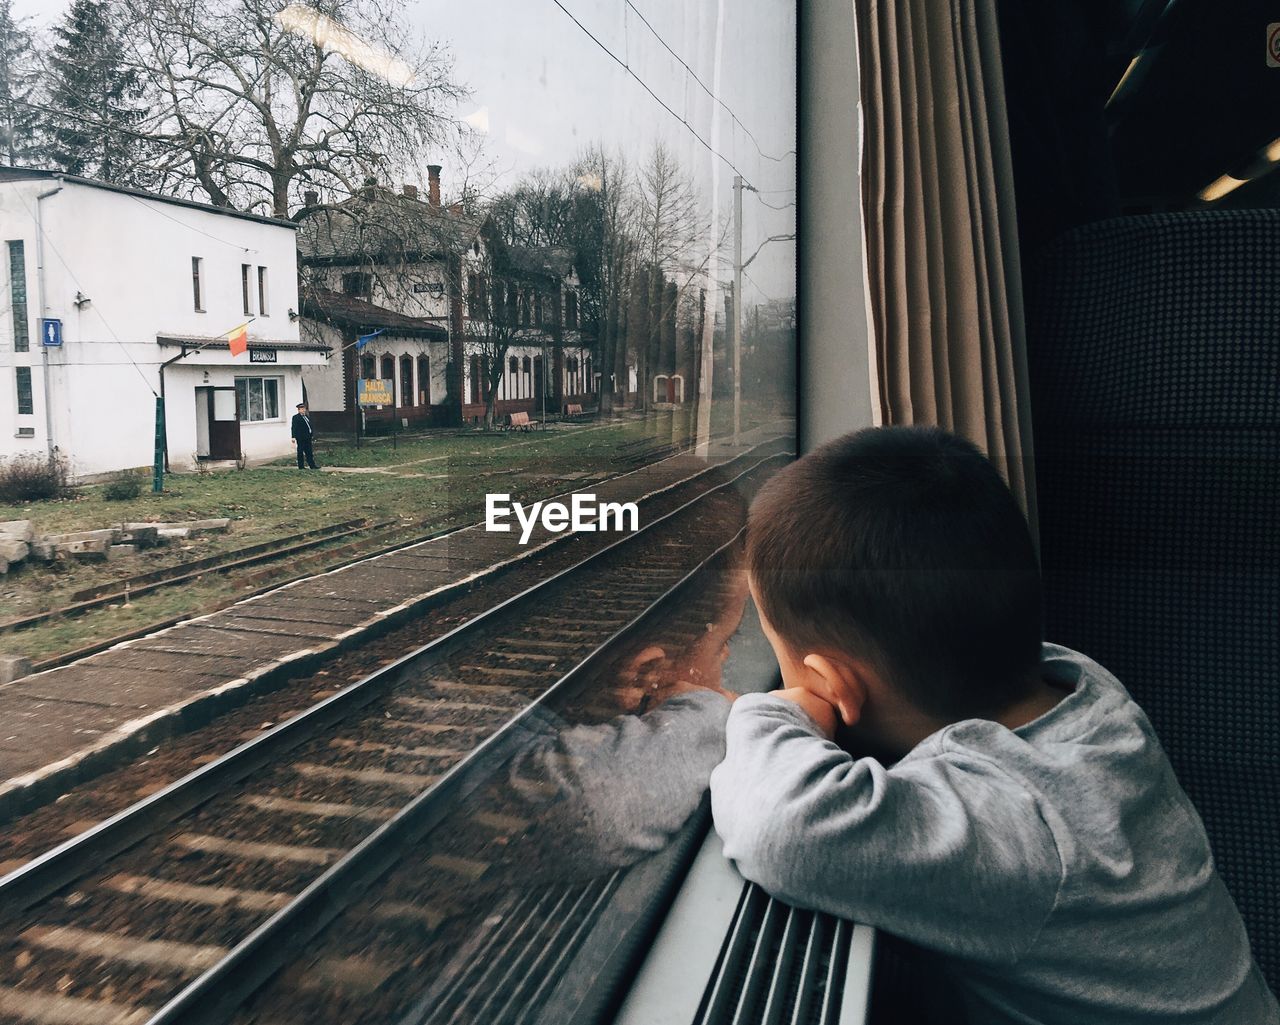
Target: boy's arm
[[942, 849]]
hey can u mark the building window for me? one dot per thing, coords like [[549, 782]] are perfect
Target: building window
[[424, 381], [245, 294], [528, 365], [571, 309], [358, 283], [262, 291], [197, 283], [406, 380], [368, 368], [388, 368], [25, 405], [18, 295], [514, 364], [258, 398]]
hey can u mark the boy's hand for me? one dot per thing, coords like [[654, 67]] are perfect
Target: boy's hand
[[821, 712]]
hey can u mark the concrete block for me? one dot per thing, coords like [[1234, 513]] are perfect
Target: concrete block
[[90, 550], [110, 535], [125, 551], [172, 533], [142, 535], [12, 550], [22, 530], [14, 667]]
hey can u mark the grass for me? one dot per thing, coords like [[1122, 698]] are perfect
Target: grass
[[428, 481]]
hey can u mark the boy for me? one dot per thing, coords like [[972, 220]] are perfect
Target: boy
[[1031, 831]]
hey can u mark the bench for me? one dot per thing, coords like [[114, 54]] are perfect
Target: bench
[[520, 422], [574, 410]]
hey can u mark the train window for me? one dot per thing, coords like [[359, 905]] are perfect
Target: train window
[[397, 698]]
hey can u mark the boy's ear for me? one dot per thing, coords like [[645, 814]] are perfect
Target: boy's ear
[[843, 683]]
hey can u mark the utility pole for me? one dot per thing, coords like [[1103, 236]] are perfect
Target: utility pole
[[737, 307]]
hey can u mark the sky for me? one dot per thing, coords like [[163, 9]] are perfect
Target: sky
[[545, 90]]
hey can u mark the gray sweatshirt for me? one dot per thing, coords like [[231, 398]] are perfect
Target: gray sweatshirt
[[1058, 867]]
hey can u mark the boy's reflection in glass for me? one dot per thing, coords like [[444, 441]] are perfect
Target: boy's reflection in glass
[[610, 792]]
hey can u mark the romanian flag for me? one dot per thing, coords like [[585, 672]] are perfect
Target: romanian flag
[[238, 339]]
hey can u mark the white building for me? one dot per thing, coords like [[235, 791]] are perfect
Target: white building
[[144, 289]]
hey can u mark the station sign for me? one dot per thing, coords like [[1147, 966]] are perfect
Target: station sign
[[262, 355], [375, 392]]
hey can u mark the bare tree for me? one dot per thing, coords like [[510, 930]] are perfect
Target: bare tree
[[250, 103], [493, 324]]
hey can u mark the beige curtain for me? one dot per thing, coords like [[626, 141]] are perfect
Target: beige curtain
[[944, 287]]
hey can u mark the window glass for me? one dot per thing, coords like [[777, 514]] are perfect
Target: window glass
[[197, 284], [258, 398], [18, 295], [25, 404]]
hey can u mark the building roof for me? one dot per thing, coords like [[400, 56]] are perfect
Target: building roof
[[348, 311], [17, 174], [378, 224], [220, 342]]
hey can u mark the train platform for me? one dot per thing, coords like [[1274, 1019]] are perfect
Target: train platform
[[70, 722]]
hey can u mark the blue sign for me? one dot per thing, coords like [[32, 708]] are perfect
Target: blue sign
[[51, 333]]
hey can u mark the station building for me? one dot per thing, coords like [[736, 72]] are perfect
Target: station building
[[116, 296], [441, 300]]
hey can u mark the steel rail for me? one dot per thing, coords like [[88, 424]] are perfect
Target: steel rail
[[224, 986], [49, 872]]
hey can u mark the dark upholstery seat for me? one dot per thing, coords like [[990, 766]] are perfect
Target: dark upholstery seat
[[1155, 365]]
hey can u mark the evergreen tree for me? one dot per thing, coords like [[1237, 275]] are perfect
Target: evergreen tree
[[94, 95], [19, 90]]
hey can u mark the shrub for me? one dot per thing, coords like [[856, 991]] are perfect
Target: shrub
[[33, 478], [122, 486]]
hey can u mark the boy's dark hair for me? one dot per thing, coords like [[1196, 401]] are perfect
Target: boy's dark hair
[[904, 546]]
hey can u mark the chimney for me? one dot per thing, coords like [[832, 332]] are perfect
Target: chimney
[[311, 198], [411, 192], [433, 185]]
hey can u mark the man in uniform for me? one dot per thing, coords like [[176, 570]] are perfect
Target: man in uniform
[[302, 435]]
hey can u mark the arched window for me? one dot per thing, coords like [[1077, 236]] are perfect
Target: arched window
[[539, 382], [424, 381], [475, 378], [515, 365], [388, 368], [406, 381], [528, 365], [368, 368]]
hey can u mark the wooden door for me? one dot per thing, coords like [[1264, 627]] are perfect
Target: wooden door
[[224, 424]]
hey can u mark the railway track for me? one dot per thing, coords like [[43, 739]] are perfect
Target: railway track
[[177, 907]]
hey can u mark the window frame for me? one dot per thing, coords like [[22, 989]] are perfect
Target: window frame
[[197, 284], [244, 398], [246, 292], [19, 373], [18, 304], [263, 291]]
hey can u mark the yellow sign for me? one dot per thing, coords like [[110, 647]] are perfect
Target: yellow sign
[[376, 393]]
